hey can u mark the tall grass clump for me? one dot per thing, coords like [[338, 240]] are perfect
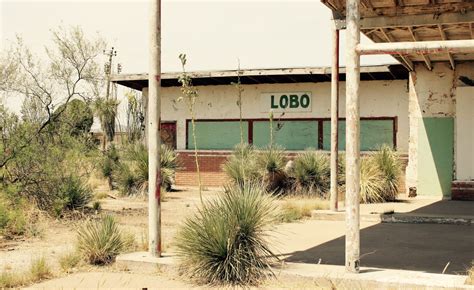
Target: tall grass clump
[[225, 242], [271, 167], [311, 173], [132, 172], [371, 181], [389, 164], [99, 242], [241, 167]]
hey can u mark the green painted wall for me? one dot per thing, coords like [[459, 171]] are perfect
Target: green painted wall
[[216, 135], [435, 156], [374, 133], [292, 135]]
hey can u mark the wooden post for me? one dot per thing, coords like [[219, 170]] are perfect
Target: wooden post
[[334, 117], [154, 106], [352, 137]]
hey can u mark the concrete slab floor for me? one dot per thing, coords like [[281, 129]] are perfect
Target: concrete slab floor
[[417, 247]]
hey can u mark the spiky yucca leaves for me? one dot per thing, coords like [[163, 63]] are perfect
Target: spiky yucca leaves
[[312, 172], [241, 165], [389, 164], [99, 242], [132, 175], [225, 242], [371, 181], [271, 168]]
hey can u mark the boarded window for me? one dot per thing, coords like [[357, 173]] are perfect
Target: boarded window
[[291, 135], [373, 134], [217, 135]]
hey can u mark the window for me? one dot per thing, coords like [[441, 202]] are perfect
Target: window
[[291, 134], [373, 134], [217, 135]]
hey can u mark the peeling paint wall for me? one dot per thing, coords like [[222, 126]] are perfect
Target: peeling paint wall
[[432, 94], [378, 99]]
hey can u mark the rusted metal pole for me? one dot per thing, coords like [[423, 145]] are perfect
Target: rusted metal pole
[[334, 117], [441, 46], [154, 106], [352, 137]]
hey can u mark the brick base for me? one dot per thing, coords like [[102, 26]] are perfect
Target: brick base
[[210, 164], [462, 190]]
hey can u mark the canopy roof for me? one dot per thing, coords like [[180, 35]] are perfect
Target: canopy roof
[[415, 20], [263, 76]]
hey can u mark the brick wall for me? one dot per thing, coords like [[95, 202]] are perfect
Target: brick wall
[[210, 163]]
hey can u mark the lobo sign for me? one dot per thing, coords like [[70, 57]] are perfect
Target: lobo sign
[[286, 102]]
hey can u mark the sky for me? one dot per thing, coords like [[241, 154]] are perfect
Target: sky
[[213, 34]]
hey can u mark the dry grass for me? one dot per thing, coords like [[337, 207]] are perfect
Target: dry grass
[[39, 270], [470, 275], [69, 261], [297, 208]]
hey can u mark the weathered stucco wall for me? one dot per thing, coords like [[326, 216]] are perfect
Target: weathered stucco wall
[[432, 136], [378, 99]]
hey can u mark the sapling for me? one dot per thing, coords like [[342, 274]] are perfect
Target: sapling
[[238, 86], [190, 95]]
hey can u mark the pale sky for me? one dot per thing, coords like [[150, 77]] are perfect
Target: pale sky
[[263, 34]]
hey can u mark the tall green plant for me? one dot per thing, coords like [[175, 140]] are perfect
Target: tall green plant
[[389, 164], [241, 166], [240, 89], [106, 110], [225, 242], [190, 94], [270, 165], [312, 172]]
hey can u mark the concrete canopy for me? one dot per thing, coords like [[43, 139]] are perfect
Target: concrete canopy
[[412, 21]]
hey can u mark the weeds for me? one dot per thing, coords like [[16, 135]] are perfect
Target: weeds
[[69, 261], [296, 209], [39, 270]]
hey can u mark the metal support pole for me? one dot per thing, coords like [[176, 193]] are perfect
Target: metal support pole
[[352, 137], [154, 106], [334, 117]]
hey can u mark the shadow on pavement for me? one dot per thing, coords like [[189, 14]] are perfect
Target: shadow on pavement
[[419, 247]]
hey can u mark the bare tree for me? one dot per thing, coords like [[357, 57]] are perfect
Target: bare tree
[[71, 70]]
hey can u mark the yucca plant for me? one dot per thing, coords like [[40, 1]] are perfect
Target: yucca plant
[[241, 165], [371, 181], [389, 164], [132, 175], [99, 242], [271, 167], [225, 242], [75, 193], [312, 172]]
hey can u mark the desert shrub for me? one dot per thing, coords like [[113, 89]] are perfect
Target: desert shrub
[[241, 166], [108, 163], [388, 162], [99, 242], [225, 242], [76, 194], [311, 172], [371, 181], [132, 172], [270, 166], [39, 269], [296, 209], [69, 261]]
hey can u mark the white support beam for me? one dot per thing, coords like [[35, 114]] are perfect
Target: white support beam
[[416, 20], [405, 59], [444, 37], [425, 57], [352, 256], [443, 46]]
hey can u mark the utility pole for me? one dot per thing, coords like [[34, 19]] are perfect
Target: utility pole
[[108, 68], [154, 108]]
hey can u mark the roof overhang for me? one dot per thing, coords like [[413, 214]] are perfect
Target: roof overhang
[[263, 76], [415, 20]]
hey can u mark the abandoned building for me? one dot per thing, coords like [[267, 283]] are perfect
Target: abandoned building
[[427, 116]]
